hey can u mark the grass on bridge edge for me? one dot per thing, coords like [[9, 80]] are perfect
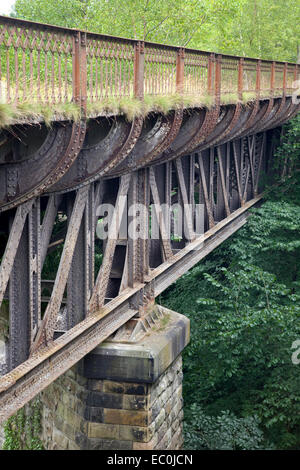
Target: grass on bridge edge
[[26, 112]]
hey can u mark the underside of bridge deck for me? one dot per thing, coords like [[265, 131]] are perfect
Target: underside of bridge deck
[[147, 226]]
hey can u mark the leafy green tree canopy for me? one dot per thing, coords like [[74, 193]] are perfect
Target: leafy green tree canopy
[[261, 28]]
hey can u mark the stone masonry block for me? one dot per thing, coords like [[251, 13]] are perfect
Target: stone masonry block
[[146, 445], [136, 433], [136, 402], [160, 419], [94, 414], [103, 431], [95, 385], [165, 441], [108, 444], [113, 387], [141, 362], [137, 418], [162, 431], [105, 400]]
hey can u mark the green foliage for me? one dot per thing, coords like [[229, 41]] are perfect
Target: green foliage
[[22, 431], [260, 28], [171, 21], [52, 263], [244, 306], [11, 113], [223, 432], [263, 28]]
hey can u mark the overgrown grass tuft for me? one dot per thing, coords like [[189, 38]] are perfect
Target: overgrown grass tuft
[[229, 98], [70, 111], [11, 113], [130, 107], [249, 96], [6, 114]]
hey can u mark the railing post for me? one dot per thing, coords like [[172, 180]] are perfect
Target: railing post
[[210, 68], [83, 71], [296, 72], [240, 78], [218, 79], [79, 70], [272, 85], [76, 68], [139, 66], [284, 79], [180, 71], [258, 78]]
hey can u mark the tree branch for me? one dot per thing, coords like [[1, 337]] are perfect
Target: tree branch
[[157, 26]]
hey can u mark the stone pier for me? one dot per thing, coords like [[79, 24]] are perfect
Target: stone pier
[[124, 395]]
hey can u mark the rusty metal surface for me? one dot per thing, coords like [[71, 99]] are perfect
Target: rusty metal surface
[[152, 143], [12, 246], [21, 181], [217, 152], [226, 177], [44, 366], [46, 330], [99, 292], [97, 159]]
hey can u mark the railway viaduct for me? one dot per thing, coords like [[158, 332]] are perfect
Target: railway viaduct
[[139, 127]]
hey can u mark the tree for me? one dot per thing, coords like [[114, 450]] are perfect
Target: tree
[[171, 21], [264, 28]]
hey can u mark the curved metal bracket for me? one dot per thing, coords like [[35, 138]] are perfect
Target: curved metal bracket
[[48, 165]]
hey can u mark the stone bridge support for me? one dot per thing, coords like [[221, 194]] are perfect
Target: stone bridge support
[[123, 395]]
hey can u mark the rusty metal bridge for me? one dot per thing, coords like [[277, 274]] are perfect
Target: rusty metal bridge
[[210, 148]]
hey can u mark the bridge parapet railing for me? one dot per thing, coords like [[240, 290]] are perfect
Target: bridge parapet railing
[[292, 74], [229, 86], [44, 64], [251, 71], [278, 78], [36, 63], [265, 79], [159, 70], [198, 73], [109, 67]]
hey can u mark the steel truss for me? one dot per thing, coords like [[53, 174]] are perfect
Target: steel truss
[[50, 333]]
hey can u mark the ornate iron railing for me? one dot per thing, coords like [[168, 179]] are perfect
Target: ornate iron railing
[[48, 64]]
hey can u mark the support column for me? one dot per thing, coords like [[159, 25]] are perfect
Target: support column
[[123, 395]]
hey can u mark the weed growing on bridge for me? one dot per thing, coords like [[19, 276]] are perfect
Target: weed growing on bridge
[[12, 113], [249, 96], [22, 431], [130, 107]]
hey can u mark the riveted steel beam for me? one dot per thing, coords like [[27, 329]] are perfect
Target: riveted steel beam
[[44, 366]]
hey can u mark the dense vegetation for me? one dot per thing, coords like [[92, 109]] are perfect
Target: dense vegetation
[[23, 430], [241, 388], [265, 28]]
